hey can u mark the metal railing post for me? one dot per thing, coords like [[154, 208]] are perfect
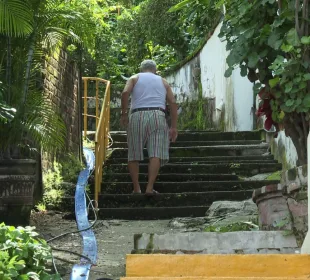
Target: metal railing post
[[85, 107], [102, 127], [97, 103]]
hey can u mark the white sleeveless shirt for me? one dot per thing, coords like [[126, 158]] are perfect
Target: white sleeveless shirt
[[149, 91]]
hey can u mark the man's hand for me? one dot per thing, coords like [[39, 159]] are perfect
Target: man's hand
[[173, 134], [124, 120]]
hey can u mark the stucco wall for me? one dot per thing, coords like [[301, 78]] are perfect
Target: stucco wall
[[233, 97], [184, 82], [284, 150]]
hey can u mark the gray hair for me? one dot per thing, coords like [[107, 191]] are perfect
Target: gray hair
[[148, 65]]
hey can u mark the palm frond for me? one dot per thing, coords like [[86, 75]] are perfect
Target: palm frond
[[16, 18], [6, 113], [36, 123], [44, 126]]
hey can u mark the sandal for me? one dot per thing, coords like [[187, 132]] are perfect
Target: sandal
[[152, 193]]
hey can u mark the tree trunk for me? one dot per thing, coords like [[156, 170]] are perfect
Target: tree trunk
[[28, 66], [7, 152]]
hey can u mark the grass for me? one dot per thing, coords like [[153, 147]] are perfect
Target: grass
[[275, 176], [240, 226]]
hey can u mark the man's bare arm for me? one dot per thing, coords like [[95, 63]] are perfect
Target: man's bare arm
[[125, 94], [172, 104]]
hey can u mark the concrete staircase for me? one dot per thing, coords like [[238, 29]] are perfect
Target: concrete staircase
[[204, 167]]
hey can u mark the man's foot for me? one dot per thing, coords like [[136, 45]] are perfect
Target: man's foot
[[136, 192], [134, 173], [151, 193]]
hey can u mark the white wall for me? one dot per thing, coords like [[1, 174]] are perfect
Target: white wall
[[182, 81], [234, 93], [284, 150], [243, 101]]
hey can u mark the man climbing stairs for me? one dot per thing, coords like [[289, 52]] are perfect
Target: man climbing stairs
[[204, 166]]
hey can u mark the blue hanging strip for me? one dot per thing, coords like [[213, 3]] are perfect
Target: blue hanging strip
[[81, 271]]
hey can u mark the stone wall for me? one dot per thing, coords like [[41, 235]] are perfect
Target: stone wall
[[61, 84]]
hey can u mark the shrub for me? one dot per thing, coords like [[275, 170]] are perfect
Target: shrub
[[23, 255], [59, 181]]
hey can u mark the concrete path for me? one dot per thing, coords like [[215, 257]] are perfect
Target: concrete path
[[114, 237]]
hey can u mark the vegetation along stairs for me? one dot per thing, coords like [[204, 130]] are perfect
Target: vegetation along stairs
[[204, 166]]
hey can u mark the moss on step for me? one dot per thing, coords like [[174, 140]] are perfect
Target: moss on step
[[239, 226], [275, 176], [234, 165], [150, 245]]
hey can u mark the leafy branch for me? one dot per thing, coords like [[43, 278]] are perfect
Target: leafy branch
[[269, 41]]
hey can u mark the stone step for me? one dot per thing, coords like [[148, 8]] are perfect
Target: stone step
[[170, 199], [246, 169], [281, 266], [137, 213], [160, 206], [202, 136], [180, 187], [241, 150], [233, 159], [239, 242], [200, 143], [172, 177], [152, 213]]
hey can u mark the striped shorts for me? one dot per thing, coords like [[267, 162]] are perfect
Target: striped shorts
[[150, 129]]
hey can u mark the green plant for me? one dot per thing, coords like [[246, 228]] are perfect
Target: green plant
[[41, 207], [60, 180], [29, 31], [6, 113], [269, 41], [16, 18], [194, 116], [23, 255], [240, 226], [197, 18], [275, 176], [35, 124], [70, 168], [234, 165]]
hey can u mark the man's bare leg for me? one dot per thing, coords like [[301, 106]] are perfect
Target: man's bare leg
[[133, 167], [154, 165]]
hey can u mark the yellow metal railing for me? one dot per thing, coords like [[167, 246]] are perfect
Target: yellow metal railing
[[102, 126]]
